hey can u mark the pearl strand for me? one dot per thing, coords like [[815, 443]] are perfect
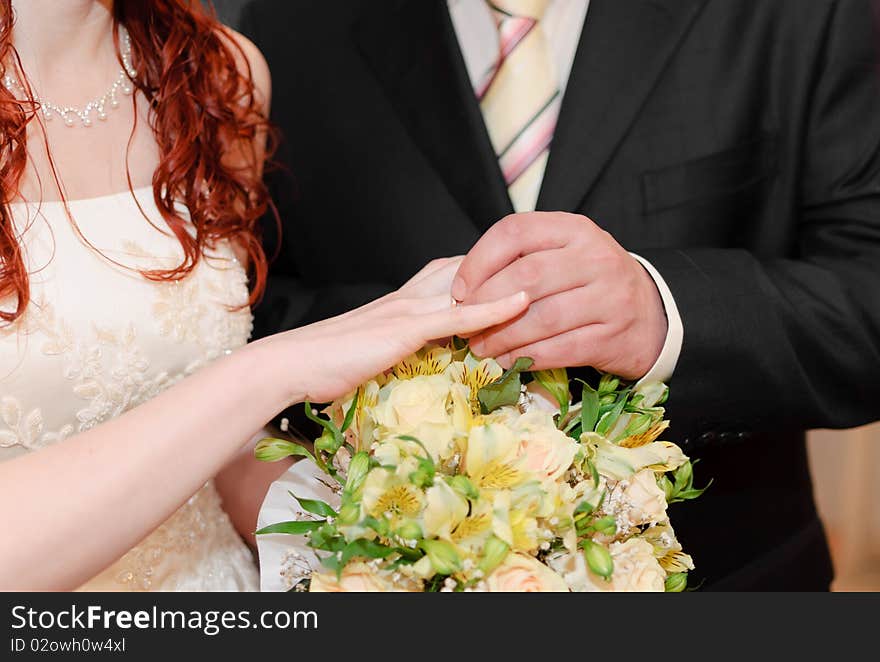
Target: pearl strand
[[70, 114]]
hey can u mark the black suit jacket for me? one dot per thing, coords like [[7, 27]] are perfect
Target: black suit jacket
[[733, 143]]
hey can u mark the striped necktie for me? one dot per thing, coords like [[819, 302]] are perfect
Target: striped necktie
[[520, 99]]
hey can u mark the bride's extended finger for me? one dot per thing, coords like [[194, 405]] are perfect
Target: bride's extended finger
[[467, 319]]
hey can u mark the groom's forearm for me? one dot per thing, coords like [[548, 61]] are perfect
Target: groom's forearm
[[778, 343]]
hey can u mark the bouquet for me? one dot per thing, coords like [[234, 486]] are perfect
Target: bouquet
[[448, 473]]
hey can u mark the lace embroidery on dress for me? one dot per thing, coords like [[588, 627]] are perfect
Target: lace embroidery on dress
[[112, 349]]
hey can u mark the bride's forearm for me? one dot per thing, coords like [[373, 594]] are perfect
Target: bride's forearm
[[70, 510]]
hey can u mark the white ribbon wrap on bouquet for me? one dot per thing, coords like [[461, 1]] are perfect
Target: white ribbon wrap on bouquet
[[304, 479]]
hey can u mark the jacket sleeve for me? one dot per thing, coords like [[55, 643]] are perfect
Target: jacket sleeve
[[795, 342]]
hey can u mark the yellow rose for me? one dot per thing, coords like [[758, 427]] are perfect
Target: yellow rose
[[524, 574], [547, 451], [405, 404], [644, 501], [358, 577]]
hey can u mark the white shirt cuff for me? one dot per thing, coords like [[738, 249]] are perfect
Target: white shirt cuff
[[664, 366]]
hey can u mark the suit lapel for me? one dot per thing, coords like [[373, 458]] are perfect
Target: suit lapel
[[410, 46], [624, 47]]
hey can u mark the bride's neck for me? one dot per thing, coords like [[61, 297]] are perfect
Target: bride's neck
[[56, 38]]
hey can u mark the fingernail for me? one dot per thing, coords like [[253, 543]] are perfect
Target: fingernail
[[459, 288]]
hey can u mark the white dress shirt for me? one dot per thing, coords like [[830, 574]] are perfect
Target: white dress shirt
[[562, 24]]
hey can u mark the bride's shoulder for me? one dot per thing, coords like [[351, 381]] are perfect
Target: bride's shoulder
[[251, 63]]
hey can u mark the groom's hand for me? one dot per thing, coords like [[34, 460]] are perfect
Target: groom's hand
[[593, 303]]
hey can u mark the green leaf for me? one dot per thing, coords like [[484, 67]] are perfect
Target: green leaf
[[349, 415], [589, 408], [315, 507], [506, 389], [687, 495], [365, 548], [556, 383], [607, 421], [334, 563], [594, 473], [293, 528], [272, 450]]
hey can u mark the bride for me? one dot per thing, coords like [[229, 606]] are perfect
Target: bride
[[127, 228]]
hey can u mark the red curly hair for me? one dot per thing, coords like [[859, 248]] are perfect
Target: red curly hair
[[201, 106]]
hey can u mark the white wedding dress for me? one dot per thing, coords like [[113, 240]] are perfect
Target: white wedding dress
[[98, 339]]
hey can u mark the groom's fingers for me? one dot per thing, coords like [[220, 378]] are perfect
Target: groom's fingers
[[512, 237], [587, 342], [540, 274], [544, 319]]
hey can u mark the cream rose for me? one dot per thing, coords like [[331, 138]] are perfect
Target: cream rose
[[635, 567], [546, 450], [356, 577], [405, 404], [524, 574], [644, 499]]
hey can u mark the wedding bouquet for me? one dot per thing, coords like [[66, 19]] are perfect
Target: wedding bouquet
[[450, 474]]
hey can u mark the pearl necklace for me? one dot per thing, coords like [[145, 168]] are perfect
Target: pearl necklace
[[69, 114]]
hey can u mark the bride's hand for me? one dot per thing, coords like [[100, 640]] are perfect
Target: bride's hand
[[324, 361]]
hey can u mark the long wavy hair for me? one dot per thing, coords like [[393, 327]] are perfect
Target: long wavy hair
[[201, 107]]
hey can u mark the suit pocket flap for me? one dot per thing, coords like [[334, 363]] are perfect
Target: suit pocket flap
[[716, 175]]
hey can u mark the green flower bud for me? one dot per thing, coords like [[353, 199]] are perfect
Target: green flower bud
[[464, 486], [608, 384], [410, 530], [606, 526], [272, 450], [598, 559], [677, 582], [684, 476], [348, 514], [443, 556], [608, 399], [327, 442], [422, 477], [667, 487], [494, 552], [357, 471]]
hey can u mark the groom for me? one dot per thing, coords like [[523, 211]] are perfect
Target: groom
[[709, 173]]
